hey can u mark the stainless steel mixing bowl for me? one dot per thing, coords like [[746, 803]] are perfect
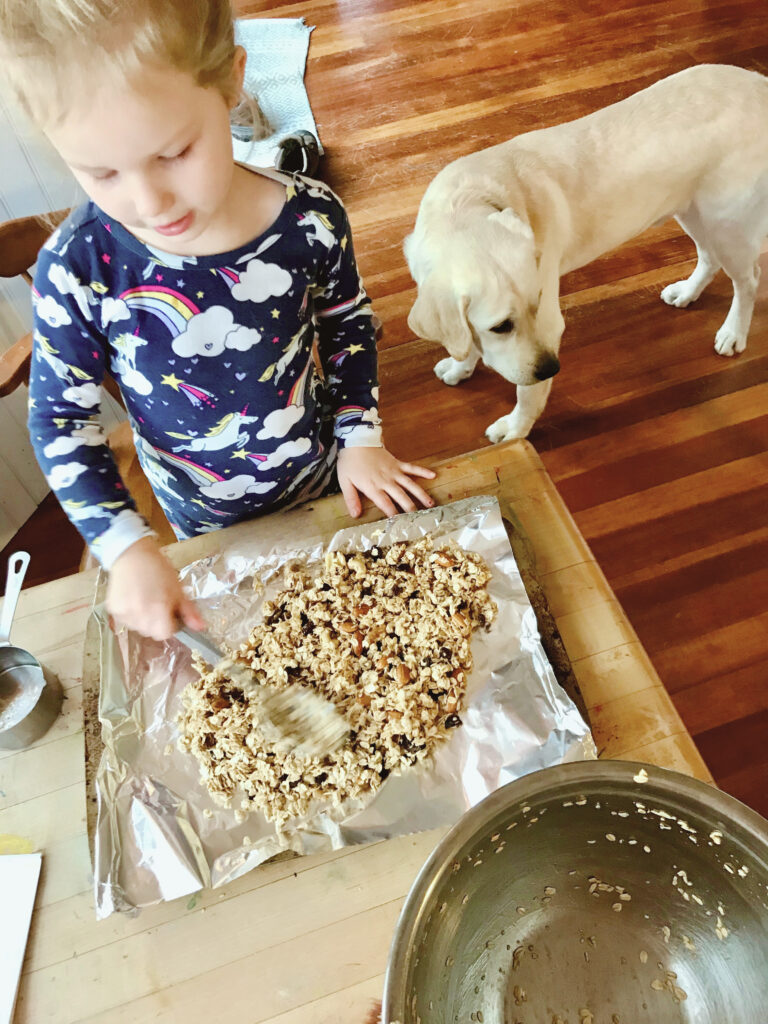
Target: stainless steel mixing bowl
[[595, 893]]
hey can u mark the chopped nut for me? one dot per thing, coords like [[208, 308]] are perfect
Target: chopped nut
[[403, 674]]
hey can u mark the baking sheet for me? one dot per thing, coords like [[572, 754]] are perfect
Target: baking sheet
[[159, 835]]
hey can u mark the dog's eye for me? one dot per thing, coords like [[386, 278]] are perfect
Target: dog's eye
[[505, 327]]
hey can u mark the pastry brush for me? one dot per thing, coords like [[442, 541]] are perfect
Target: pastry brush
[[296, 719]]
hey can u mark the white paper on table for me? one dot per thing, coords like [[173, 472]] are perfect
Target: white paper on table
[[19, 874]]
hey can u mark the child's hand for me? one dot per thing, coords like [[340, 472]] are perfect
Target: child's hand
[[384, 479], [145, 594]]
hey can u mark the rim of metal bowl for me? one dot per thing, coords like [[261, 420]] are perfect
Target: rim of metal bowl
[[664, 781]]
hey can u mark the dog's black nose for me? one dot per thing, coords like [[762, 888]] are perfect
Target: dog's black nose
[[546, 367]]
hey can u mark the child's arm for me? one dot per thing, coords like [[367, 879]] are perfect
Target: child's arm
[[347, 345], [68, 365]]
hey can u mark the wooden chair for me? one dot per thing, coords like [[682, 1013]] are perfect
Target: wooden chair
[[20, 242]]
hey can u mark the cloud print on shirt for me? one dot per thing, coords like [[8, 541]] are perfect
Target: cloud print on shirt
[[261, 281], [280, 421], [64, 476], [65, 283], [113, 310], [213, 330], [289, 450], [84, 395], [92, 434], [52, 312], [235, 487]]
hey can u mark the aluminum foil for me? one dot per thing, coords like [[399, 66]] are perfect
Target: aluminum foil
[[159, 834]]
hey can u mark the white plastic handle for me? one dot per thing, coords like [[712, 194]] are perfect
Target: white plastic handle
[[17, 570]]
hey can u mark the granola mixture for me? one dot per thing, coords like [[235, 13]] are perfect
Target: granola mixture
[[385, 635]]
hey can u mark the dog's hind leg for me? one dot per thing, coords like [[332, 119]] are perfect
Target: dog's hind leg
[[681, 293], [531, 400]]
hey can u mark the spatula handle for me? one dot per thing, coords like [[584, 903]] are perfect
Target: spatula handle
[[201, 643]]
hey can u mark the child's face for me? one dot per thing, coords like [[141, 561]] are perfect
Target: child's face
[[155, 156]]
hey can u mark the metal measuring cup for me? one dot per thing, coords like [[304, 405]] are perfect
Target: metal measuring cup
[[30, 695]]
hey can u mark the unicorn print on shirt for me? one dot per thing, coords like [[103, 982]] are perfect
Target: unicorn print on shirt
[[124, 363], [227, 433], [50, 355], [319, 228], [292, 349], [166, 259]]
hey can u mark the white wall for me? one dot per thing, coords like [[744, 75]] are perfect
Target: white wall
[[32, 180]]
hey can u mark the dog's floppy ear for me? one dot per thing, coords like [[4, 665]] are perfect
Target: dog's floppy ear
[[414, 258], [442, 317]]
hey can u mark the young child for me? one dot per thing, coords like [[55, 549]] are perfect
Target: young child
[[198, 284]]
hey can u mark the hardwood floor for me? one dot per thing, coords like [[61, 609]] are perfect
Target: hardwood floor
[[658, 446]]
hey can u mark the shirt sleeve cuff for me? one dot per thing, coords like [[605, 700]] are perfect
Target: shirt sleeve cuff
[[363, 435], [125, 531]]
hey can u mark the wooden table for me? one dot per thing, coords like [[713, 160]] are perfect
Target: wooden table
[[303, 941]]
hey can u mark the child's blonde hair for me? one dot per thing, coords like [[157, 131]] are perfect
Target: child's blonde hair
[[46, 47]]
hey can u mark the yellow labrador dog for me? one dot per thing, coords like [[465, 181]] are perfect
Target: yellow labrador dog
[[496, 229]]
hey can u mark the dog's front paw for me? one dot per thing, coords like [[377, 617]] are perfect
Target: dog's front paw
[[728, 342], [679, 294], [452, 372], [508, 428]]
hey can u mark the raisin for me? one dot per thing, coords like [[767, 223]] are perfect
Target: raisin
[[452, 721]]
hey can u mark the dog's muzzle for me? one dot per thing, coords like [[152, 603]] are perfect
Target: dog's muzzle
[[546, 367]]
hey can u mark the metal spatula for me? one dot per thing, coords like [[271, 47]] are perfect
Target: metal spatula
[[296, 719]]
